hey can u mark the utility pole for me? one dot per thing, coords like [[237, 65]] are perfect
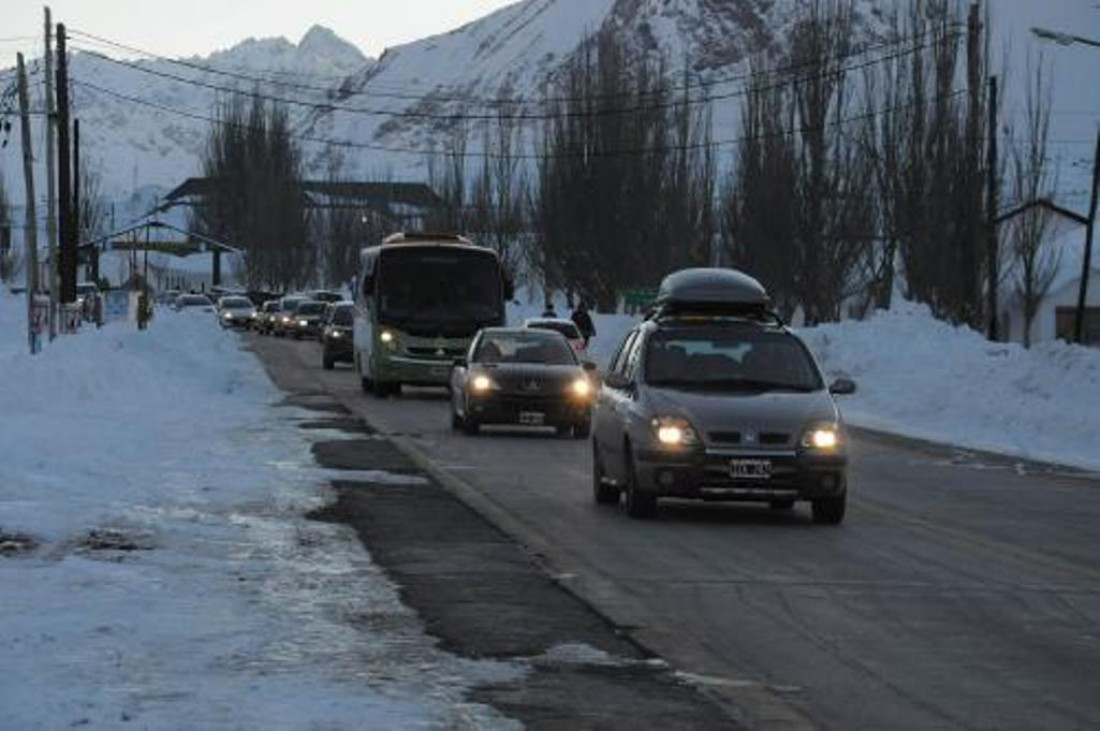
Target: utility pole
[[51, 182], [970, 256], [77, 224], [67, 249], [31, 242], [993, 249], [1086, 264]]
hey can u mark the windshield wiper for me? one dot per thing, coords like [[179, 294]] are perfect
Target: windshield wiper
[[752, 384]]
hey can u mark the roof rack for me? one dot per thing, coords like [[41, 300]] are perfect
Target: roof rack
[[713, 293], [406, 237]]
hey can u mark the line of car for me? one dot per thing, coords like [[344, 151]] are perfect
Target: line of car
[[711, 397]]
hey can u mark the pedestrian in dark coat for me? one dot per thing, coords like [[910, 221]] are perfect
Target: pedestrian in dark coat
[[584, 323]]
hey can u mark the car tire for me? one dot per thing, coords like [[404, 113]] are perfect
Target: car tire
[[582, 430], [470, 427], [830, 510], [638, 504], [781, 504], [602, 493], [328, 363]]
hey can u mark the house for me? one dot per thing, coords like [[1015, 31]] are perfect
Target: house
[[1056, 314]]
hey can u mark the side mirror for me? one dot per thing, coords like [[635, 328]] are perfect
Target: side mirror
[[368, 286], [617, 381], [509, 288], [588, 366], [842, 387], [460, 363]]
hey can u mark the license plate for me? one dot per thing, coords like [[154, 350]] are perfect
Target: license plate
[[751, 469], [532, 418]]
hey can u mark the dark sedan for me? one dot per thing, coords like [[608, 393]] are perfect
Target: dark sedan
[[513, 376], [336, 336]]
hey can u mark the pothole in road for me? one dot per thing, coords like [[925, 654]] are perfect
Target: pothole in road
[[13, 544], [116, 539]]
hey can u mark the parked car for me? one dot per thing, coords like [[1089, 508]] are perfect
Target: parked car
[[236, 311], [307, 319], [566, 327], [193, 303], [526, 377], [713, 398], [336, 335], [283, 322]]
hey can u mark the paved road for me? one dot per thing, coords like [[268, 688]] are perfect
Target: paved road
[[960, 592]]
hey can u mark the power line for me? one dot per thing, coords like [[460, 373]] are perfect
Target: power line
[[950, 30], [518, 116], [351, 144]]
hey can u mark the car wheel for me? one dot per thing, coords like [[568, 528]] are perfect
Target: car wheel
[[582, 430], [638, 504], [603, 493], [561, 430], [470, 427], [781, 504], [456, 420], [830, 510], [381, 389], [328, 363]]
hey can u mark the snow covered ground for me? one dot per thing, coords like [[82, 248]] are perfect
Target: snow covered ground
[[176, 582]]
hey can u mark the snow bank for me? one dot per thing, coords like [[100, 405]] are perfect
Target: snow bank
[[924, 378], [176, 583]]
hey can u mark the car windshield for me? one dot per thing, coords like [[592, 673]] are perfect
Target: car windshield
[[342, 316], [524, 347], [271, 307], [730, 359], [567, 329], [439, 286], [327, 296], [236, 303], [311, 308], [288, 305], [194, 300]]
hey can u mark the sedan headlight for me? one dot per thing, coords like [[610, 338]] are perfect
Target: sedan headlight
[[581, 387], [386, 337], [228, 315], [335, 334], [674, 431], [303, 323], [481, 384], [822, 438], [286, 320]]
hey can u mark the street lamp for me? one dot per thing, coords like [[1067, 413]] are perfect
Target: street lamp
[[1068, 39], [1062, 39]]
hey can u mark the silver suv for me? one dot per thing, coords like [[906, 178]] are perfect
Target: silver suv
[[713, 398]]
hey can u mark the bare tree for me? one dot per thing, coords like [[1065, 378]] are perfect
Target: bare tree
[[1035, 262]]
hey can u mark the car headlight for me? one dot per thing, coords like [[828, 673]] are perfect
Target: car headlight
[[481, 384], [581, 388], [228, 315], [303, 323], [674, 431], [335, 334], [386, 337], [286, 320], [822, 438]]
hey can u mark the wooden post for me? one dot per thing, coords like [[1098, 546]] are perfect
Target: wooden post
[[993, 250], [31, 243], [1086, 265], [52, 281]]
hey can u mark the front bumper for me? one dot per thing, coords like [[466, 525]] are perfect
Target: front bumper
[[706, 475], [495, 408]]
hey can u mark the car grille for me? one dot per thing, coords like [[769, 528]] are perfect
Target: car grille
[[767, 439], [436, 353]]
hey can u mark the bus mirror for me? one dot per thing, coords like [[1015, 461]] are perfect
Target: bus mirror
[[509, 288], [368, 286]]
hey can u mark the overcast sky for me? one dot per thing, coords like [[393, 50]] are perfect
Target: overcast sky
[[186, 27]]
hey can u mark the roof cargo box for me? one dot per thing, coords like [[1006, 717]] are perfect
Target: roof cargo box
[[712, 291]]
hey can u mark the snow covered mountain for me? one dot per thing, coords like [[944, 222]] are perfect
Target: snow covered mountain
[[133, 129]]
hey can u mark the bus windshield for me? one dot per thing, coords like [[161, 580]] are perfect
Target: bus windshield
[[438, 291]]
